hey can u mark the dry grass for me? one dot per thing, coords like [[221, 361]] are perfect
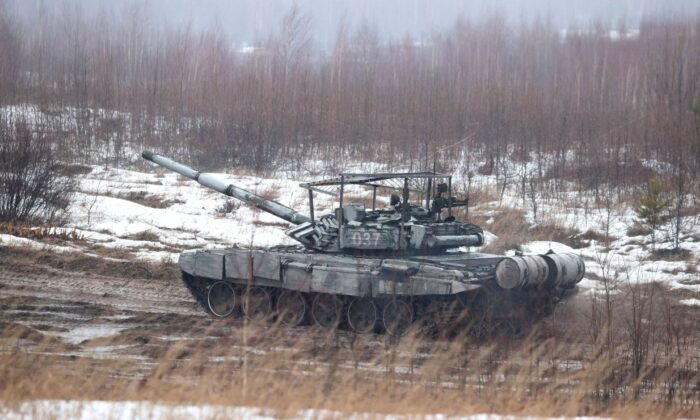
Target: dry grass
[[479, 195], [229, 206], [41, 233], [72, 169], [568, 366], [534, 376], [665, 254], [364, 199], [512, 229], [638, 230], [271, 193], [632, 354], [279, 225], [146, 235], [145, 199]]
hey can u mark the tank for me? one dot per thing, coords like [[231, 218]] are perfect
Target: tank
[[388, 270]]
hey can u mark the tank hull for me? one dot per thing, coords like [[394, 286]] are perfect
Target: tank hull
[[436, 290]]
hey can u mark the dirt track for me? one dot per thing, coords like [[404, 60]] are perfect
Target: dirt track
[[124, 326], [118, 293], [73, 314], [96, 308]]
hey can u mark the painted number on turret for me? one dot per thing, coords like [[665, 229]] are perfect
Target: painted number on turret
[[368, 239]]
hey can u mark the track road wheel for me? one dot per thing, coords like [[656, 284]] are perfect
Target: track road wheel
[[257, 304], [221, 299], [397, 317], [326, 310], [362, 315], [291, 308]]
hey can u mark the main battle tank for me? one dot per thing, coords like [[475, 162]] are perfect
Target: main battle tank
[[380, 270]]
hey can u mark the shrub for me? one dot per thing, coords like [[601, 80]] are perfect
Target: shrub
[[228, 206], [511, 227], [31, 188], [653, 208]]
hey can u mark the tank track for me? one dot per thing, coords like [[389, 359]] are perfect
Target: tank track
[[477, 312]]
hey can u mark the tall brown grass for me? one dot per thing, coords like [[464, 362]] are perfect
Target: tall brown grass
[[566, 366], [512, 228]]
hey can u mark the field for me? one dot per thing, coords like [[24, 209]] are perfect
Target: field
[[92, 330], [579, 138], [99, 314]]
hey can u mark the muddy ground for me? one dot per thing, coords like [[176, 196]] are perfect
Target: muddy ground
[[68, 309]]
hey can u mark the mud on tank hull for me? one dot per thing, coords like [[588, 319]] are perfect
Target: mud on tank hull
[[449, 291]]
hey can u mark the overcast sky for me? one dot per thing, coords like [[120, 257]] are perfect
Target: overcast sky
[[246, 21]]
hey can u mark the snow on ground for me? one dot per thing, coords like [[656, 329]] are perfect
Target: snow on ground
[[110, 410], [543, 247], [629, 258], [690, 302], [155, 214], [105, 215], [89, 332], [192, 216], [10, 240], [624, 258]]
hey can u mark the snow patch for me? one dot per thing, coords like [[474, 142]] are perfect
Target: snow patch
[[115, 209], [9, 240], [690, 302], [87, 410], [89, 332], [543, 247]]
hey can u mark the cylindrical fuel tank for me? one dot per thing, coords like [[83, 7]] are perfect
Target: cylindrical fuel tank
[[526, 270], [551, 270], [565, 269]]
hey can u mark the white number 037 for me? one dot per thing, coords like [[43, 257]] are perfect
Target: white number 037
[[366, 238]]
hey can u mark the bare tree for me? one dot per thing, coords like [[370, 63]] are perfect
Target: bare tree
[[584, 107], [31, 189], [9, 55]]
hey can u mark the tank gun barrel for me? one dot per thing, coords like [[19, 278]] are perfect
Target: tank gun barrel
[[211, 181]]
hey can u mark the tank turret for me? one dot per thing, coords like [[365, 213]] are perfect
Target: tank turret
[[403, 229]]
